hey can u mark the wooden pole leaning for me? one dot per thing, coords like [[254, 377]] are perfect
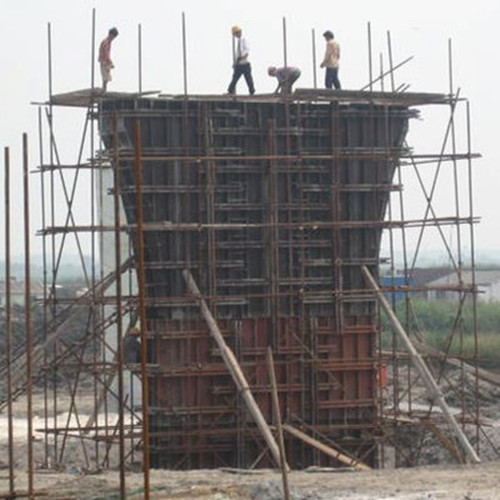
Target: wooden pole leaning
[[418, 362], [327, 450], [277, 417], [234, 368]]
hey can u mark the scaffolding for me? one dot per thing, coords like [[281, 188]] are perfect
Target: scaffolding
[[264, 211]]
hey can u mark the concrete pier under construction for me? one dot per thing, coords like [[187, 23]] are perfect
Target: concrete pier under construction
[[273, 204]]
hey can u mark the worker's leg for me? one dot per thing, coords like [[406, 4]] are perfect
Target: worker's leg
[[105, 74], [237, 72], [292, 80], [286, 87], [328, 78], [247, 72], [335, 79]]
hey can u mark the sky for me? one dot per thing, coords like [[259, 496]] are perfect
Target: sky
[[421, 30]]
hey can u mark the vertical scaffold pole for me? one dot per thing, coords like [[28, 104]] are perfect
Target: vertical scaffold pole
[[142, 304], [119, 318], [8, 322], [28, 322]]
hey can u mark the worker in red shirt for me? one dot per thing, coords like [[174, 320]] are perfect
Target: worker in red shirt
[[105, 57]]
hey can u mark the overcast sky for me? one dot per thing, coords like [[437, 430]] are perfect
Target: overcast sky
[[419, 29]]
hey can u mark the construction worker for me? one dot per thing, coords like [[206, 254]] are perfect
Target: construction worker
[[331, 61], [286, 76], [105, 57], [241, 65]]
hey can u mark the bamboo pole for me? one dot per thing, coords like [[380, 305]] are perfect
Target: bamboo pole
[[234, 368], [421, 367], [327, 450], [277, 418]]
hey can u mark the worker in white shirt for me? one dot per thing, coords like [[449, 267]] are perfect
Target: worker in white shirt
[[241, 65], [331, 61], [286, 76]]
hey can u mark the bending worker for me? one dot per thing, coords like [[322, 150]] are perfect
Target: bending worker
[[286, 76]]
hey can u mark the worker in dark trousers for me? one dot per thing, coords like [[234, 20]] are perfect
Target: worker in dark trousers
[[241, 65], [286, 76], [331, 61]]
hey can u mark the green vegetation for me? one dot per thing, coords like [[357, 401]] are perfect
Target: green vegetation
[[436, 320]]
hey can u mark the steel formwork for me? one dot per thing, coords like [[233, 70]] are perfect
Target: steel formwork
[[273, 205]]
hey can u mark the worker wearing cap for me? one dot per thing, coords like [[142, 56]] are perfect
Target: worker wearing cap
[[331, 61], [105, 57], [241, 65], [286, 76]]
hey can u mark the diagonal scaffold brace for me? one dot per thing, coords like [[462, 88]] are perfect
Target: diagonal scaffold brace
[[422, 368], [234, 368]]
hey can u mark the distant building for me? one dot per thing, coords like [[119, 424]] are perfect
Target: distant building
[[487, 283]]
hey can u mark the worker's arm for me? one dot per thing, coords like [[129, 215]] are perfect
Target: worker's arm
[[328, 54]]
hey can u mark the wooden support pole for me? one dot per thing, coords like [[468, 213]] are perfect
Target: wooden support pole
[[277, 418], [327, 450], [422, 368], [233, 367]]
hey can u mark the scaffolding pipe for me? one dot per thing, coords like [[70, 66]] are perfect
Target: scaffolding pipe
[[28, 322], [8, 322], [233, 367], [119, 317], [141, 278], [422, 368]]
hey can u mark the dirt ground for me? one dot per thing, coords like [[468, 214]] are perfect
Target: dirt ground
[[435, 482], [444, 481]]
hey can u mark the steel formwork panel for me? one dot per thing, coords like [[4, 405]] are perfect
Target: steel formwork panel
[[273, 256]]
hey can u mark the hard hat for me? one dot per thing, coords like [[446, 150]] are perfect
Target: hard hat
[[235, 29]]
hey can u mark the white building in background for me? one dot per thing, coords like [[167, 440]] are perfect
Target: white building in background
[[487, 282]]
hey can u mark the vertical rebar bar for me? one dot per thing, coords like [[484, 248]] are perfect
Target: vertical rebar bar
[[285, 48], [184, 54], [315, 69], [391, 61], [142, 303], [92, 52], [139, 55], [28, 322], [370, 65], [8, 321], [382, 83], [119, 322]]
